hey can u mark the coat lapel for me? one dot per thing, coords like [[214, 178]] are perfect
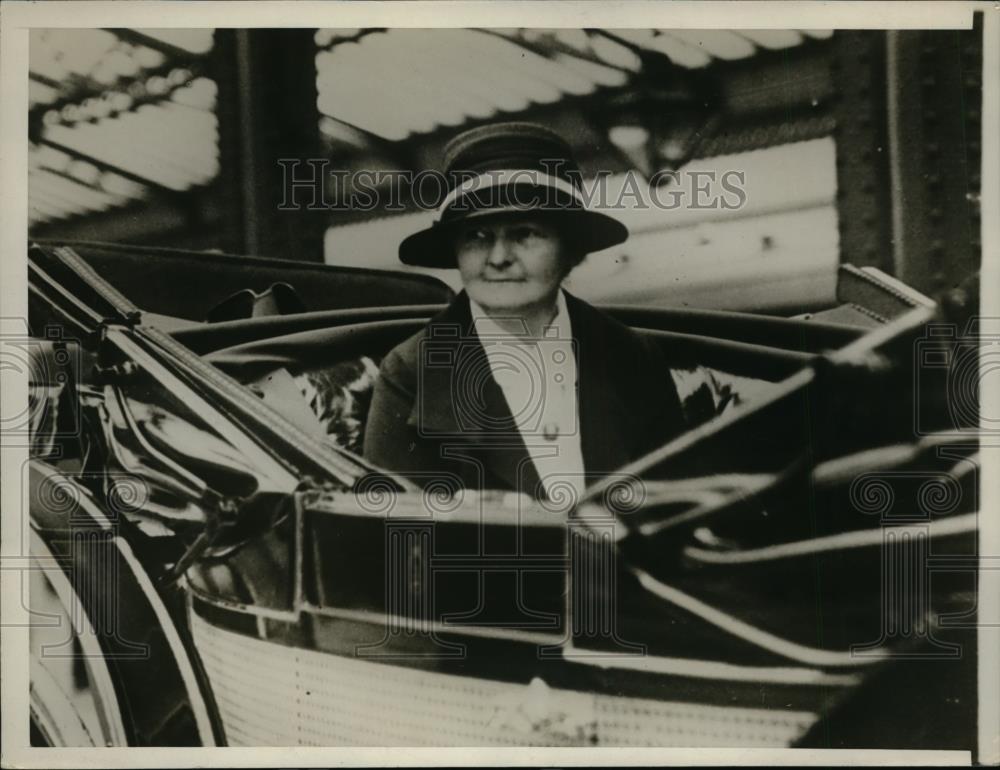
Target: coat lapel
[[461, 407], [603, 415]]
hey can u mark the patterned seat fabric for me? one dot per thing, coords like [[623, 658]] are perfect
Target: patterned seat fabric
[[340, 395], [706, 393]]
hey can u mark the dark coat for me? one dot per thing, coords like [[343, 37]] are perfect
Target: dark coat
[[437, 415]]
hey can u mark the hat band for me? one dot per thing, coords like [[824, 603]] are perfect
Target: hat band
[[504, 177]]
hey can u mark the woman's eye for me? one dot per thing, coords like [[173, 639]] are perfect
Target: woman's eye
[[527, 233], [473, 237]]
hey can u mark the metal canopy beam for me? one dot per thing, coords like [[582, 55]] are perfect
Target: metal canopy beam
[[859, 109], [907, 111], [267, 111], [934, 86]]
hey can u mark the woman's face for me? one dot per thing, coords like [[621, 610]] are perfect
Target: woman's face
[[511, 263]]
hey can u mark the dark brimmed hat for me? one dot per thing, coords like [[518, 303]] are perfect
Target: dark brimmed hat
[[508, 168]]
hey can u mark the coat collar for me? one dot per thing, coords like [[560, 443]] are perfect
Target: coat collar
[[459, 403]]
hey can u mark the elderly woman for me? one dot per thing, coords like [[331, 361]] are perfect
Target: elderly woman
[[517, 384]]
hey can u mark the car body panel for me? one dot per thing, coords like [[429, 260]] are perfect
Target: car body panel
[[737, 595]]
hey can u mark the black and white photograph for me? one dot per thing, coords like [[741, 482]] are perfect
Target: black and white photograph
[[575, 382]]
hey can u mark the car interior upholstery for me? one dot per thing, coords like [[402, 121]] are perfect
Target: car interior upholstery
[[335, 369], [308, 338]]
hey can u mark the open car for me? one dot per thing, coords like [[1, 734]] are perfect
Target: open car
[[218, 565]]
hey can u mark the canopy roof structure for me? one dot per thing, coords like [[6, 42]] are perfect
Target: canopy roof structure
[[126, 117]]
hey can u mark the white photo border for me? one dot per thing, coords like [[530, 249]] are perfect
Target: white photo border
[[17, 18]]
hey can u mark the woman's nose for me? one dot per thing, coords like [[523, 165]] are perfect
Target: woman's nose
[[499, 252]]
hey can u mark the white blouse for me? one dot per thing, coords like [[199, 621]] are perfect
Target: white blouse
[[538, 377]]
